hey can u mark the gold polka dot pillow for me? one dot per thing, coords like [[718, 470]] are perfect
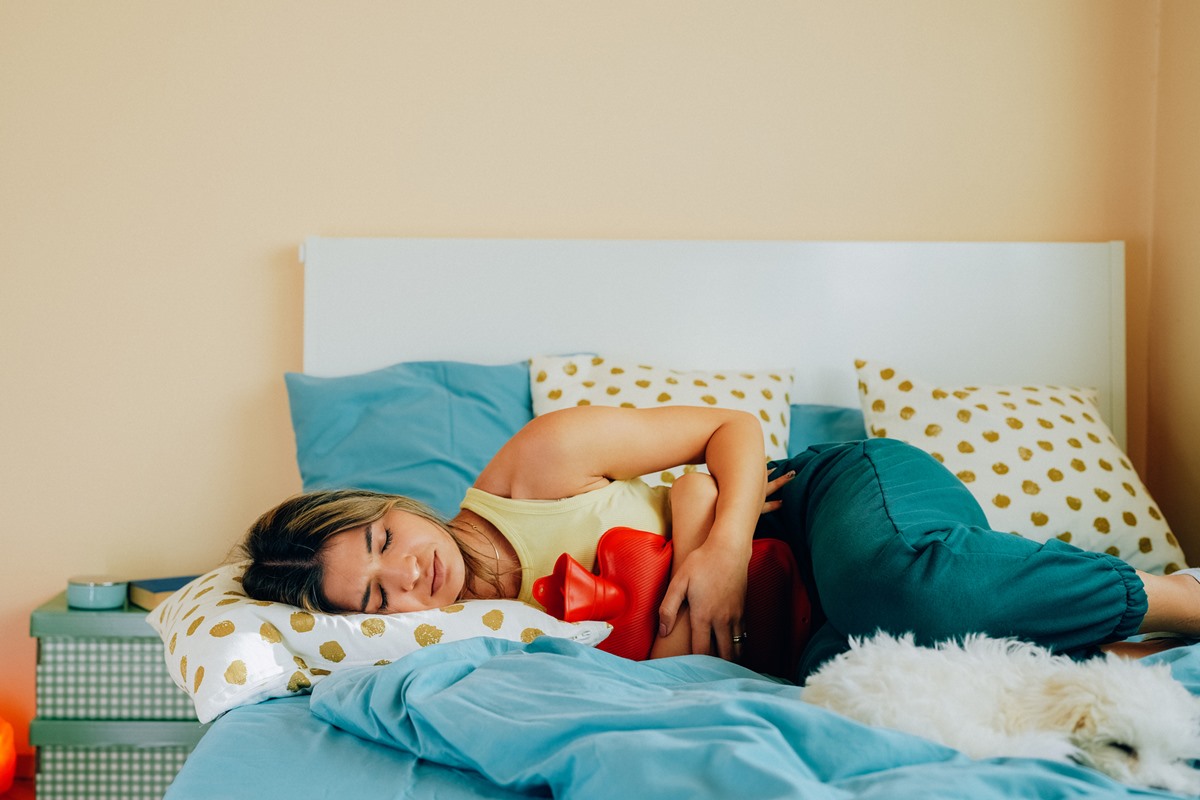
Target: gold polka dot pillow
[[226, 650], [561, 382], [1039, 459]]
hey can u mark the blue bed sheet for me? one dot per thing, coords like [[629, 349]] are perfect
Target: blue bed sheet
[[579, 723], [278, 749]]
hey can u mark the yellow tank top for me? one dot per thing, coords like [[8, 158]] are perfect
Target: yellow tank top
[[542, 530]]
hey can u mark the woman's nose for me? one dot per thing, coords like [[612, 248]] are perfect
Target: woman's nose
[[405, 572]]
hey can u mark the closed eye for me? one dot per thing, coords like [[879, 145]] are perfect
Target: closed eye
[[387, 542], [1123, 748]]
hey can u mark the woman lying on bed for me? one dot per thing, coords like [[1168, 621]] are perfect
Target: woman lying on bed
[[894, 540]]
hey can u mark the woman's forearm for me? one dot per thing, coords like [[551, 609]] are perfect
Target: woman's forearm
[[711, 579], [736, 459]]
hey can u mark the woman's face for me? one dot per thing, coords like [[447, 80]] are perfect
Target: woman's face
[[400, 562]]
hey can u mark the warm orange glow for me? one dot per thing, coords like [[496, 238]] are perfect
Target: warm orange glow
[[8, 756]]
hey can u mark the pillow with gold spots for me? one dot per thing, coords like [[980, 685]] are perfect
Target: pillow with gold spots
[[1039, 459], [226, 650], [564, 381]]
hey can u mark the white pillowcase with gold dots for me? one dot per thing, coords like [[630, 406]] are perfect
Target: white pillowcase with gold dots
[[226, 650], [565, 381], [1039, 459]]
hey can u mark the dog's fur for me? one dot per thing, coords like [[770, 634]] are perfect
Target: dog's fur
[[1002, 697]]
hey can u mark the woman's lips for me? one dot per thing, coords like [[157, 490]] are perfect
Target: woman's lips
[[435, 582]]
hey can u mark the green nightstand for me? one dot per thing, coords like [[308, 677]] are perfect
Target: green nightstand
[[110, 722]]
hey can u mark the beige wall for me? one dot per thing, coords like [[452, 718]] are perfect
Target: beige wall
[[1173, 469], [160, 161]]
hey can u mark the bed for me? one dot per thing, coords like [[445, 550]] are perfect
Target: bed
[[440, 348]]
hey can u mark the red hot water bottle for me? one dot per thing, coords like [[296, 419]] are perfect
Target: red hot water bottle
[[632, 572]]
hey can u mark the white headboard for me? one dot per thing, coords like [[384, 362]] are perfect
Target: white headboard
[[952, 312]]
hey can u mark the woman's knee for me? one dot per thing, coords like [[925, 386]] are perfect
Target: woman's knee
[[694, 487], [693, 498]]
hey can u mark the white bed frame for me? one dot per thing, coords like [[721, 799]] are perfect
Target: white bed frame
[[949, 312]]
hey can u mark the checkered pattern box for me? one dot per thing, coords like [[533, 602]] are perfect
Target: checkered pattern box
[[103, 665], [119, 760], [110, 722], [107, 679], [119, 772]]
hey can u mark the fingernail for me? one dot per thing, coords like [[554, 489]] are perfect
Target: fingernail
[[662, 630]]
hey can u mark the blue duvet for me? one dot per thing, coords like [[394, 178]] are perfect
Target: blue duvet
[[556, 716]]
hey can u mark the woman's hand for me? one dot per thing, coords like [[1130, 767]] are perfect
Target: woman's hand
[[713, 583], [773, 487], [703, 577]]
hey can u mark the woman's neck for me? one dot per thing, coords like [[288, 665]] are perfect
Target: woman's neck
[[495, 556]]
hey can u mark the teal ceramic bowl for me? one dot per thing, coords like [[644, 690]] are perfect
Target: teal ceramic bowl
[[96, 592]]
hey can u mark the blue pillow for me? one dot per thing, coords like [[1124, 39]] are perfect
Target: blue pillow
[[817, 424], [421, 429]]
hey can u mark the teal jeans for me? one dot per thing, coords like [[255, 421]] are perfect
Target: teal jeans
[[892, 541]]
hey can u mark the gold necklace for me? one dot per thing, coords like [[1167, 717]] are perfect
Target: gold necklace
[[487, 538], [496, 575]]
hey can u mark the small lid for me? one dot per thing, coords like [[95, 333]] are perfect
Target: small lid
[[94, 580]]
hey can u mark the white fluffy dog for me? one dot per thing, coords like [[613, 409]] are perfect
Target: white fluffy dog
[[1001, 697]]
